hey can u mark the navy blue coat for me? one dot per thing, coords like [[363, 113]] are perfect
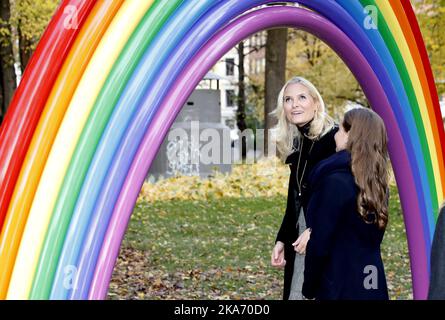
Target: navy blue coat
[[343, 259], [437, 281]]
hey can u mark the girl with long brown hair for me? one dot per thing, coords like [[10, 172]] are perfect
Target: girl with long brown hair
[[348, 213]]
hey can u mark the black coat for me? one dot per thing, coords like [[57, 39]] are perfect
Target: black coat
[[437, 281], [288, 232], [343, 259]]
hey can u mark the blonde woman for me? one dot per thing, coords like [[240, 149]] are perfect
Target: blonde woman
[[305, 136]]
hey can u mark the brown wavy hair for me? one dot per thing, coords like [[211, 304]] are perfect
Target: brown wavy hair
[[367, 143]]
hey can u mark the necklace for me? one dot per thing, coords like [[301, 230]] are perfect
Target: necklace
[[299, 181]]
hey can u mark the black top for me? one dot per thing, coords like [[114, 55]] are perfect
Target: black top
[[319, 150], [343, 259], [288, 233]]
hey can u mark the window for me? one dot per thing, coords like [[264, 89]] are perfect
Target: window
[[254, 40], [230, 123], [230, 98], [230, 67], [253, 65]]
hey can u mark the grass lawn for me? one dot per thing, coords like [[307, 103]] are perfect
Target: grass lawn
[[220, 249]]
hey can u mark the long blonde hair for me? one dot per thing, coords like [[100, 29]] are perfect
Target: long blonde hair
[[367, 143], [286, 132]]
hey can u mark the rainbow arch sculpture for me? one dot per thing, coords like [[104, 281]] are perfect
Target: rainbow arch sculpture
[[104, 86]]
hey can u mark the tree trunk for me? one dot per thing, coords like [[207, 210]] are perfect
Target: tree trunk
[[7, 73], [241, 112], [2, 112], [276, 48], [24, 49]]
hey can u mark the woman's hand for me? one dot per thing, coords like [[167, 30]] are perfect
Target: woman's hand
[[277, 258], [301, 243]]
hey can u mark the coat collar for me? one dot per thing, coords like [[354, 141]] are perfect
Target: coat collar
[[339, 161], [304, 130], [328, 138]]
